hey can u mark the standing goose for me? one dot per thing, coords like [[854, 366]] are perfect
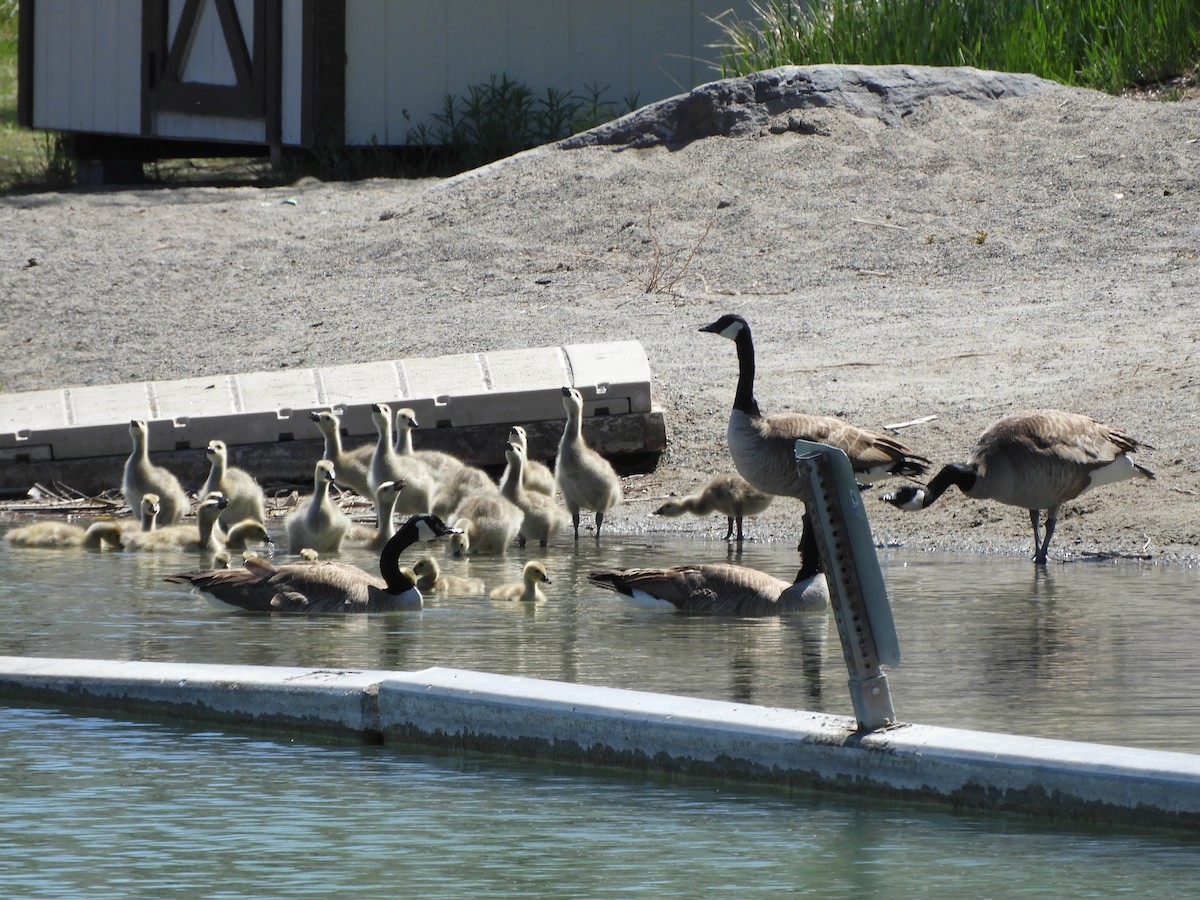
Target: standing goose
[[488, 524], [720, 589], [1037, 460], [541, 514], [241, 489], [586, 478], [143, 477], [317, 522], [321, 587], [528, 589], [353, 467], [763, 447], [729, 494], [467, 482], [441, 465], [388, 465], [537, 476]]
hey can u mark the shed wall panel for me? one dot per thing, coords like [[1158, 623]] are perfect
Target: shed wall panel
[[291, 80]]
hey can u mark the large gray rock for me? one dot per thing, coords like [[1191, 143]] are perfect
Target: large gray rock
[[739, 106]]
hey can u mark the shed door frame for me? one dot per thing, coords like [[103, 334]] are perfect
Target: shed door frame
[[256, 68]]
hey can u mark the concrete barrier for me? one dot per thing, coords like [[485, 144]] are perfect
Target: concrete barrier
[[581, 723], [465, 403]]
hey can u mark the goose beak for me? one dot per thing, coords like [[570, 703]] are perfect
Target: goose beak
[[314, 416], [566, 392]]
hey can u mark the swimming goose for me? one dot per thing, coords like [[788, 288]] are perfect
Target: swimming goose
[[719, 589], [353, 467], [528, 589], [204, 537], [729, 494], [385, 519], [53, 534], [388, 465], [431, 578], [143, 477], [538, 476], [764, 447], [541, 514], [488, 524], [318, 586], [317, 522], [1037, 460], [241, 489], [586, 478], [441, 465]]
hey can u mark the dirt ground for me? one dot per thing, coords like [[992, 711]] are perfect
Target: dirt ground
[[972, 258]]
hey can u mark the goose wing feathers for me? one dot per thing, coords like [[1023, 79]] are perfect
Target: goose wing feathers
[[712, 589], [868, 450], [308, 587]]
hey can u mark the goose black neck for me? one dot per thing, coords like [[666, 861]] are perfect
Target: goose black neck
[[810, 554], [961, 475], [389, 561], [743, 399]]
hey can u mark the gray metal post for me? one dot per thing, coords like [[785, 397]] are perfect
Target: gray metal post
[[856, 589]]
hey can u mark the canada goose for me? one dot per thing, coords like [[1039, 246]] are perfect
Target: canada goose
[[488, 522], [243, 535], [430, 579], [320, 586], [538, 476], [143, 477], [585, 477], [764, 447], [388, 465], [53, 534], [204, 537], [353, 467], [541, 515], [528, 589], [716, 589], [317, 522], [241, 489], [385, 519], [1037, 460], [729, 494], [441, 465], [467, 482]]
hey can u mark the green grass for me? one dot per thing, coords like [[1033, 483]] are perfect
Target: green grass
[[1104, 44]]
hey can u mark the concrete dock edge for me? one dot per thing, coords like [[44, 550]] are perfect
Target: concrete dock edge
[[655, 732]]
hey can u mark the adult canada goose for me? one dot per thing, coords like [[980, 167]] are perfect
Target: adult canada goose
[[586, 478], [764, 447], [143, 477], [431, 579], [320, 586], [1037, 460], [388, 465], [318, 522], [729, 494], [441, 465], [204, 537], [537, 476], [716, 589], [488, 524], [528, 589], [541, 514], [719, 589], [353, 467], [241, 489]]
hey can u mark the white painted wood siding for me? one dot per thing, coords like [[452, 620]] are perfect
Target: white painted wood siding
[[87, 65], [405, 56]]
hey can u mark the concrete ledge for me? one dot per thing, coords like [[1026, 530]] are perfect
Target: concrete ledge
[[581, 723]]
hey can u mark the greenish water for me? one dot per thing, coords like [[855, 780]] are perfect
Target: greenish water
[[96, 807]]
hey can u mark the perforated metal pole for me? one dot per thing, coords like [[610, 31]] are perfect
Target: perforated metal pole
[[856, 589]]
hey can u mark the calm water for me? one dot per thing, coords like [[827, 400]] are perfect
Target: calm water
[[1085, 651]]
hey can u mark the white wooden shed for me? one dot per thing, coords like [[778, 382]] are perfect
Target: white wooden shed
[[137, 80]]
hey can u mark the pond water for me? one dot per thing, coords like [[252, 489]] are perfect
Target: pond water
[[1081, 651]]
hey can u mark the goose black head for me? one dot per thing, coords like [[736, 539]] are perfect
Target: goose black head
[[729, 326]]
